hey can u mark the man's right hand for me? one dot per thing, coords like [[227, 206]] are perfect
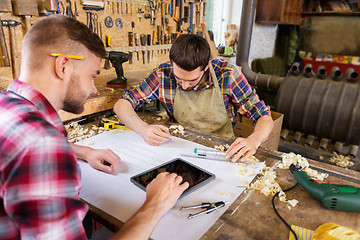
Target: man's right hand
[[163, 192], [155, 135]]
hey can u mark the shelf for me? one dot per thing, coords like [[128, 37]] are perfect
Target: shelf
[[330, 13]]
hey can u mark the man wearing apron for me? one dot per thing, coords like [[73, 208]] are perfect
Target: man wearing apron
[[198, 92]]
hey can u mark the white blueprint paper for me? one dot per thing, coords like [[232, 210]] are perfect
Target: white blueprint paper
[[119, 197]]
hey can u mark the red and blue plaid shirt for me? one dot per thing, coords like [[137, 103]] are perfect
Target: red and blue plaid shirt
[[39, 174], [238, 95]]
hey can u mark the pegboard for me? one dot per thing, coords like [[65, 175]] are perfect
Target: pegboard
[[127, 16]]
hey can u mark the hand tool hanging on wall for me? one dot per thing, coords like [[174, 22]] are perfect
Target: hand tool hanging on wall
[[13, 46], [152, 7], [137, 44], [143, 44], [109, 22], [191, 28], [186, 14], [148, 38], [171, 5], [131, 44], [176, 11], [213, 51], [201, 15], [69, 11], [25, 9], [4, 51], [119, 23]]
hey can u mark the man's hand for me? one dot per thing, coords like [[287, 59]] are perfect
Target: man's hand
[[156, 135], [102, 159], [242, 148], [163, 192]]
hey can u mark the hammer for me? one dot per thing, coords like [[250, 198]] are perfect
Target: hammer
[[13, 47], [4, 50]]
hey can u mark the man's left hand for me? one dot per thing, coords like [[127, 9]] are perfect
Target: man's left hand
[[102, 159], [241, 149]]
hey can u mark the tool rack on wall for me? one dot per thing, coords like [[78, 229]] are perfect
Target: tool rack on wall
[[143, 28]]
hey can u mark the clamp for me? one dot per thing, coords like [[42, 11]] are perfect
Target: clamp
[[208, 206]]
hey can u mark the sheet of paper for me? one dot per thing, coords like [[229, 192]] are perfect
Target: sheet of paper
[[119, 197]]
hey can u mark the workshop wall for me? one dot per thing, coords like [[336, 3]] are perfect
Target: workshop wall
[[127, 17]]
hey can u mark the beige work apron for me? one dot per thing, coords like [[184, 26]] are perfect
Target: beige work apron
[[203, 110]]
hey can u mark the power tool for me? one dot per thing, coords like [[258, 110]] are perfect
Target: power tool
[[333, 196], [117, 59]]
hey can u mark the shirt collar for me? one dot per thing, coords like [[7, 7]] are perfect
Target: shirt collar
[[25, 91]]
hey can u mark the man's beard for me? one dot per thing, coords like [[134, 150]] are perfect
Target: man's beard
[[74, 98]]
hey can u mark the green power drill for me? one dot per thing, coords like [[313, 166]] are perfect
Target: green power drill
[[333, 196]]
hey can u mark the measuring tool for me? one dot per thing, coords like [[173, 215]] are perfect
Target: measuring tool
[[110, 124]]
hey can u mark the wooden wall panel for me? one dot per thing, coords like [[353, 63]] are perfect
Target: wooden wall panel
[[119, 37]]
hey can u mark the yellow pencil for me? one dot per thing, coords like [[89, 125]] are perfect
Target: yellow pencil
[[69, 56]]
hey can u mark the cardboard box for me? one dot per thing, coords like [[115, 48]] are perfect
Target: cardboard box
[[245, 127]]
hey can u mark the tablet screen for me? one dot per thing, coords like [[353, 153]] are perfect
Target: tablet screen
[[195, 176]]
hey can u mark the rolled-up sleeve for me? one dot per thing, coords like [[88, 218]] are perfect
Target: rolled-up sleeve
[[246, 99], [144, 92]]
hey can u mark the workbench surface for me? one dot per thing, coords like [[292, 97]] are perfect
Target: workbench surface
[[251, 216]]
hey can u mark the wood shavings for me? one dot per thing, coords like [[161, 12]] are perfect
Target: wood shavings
[[292, 158], [225, 193], [243, 183], [177, 129], [341, 160], [293, 202], [76, 132], [89, 143], [266, 183], [222, 147]]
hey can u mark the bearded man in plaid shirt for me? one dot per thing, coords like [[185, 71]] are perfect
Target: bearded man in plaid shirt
[[39, 174]]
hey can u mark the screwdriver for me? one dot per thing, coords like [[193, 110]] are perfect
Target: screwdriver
[[137, 44], [143, 43], [131, 43], [149, 44]]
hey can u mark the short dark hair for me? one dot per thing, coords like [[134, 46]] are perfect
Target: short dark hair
[[190, 51], [57, 30]]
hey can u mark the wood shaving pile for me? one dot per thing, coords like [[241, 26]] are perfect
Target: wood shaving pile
[[76, 132], [177, 129], [266, 182], [222, 147], [292, 158], [341, 160]]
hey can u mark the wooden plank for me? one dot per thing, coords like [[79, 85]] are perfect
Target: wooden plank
[[25, 7], [105, 98], [5, 6]]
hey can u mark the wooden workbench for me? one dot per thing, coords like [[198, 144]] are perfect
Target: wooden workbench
[[251, 216], [105, 98]]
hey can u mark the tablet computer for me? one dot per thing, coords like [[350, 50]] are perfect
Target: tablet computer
[[194, 175]]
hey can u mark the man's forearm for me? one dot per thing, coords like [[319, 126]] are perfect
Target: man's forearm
[[80, 151], [263, 128], [140, 226], [128, 116]]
